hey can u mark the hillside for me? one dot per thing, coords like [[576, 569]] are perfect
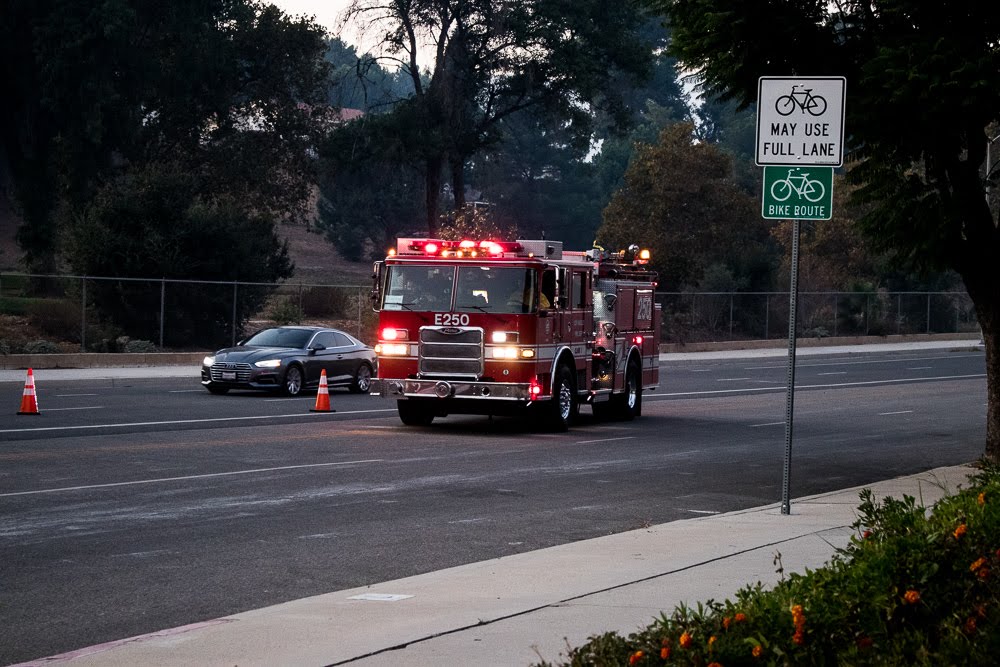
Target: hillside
[[316, 259]]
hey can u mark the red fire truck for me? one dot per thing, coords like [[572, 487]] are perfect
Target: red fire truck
[[515, 327]]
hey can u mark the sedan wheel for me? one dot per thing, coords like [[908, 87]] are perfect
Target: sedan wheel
[[292, 385], [362, 379]]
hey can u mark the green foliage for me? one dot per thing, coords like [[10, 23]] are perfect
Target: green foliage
[[41, 347], [93, 90], [679, 201], [913, 587], [493, 60], [154, 222], [284, 311]]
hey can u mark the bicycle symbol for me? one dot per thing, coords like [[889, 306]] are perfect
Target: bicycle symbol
[[803, 100], [800, 184]]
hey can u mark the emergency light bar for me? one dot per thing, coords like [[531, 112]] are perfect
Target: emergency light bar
[[466, 248]]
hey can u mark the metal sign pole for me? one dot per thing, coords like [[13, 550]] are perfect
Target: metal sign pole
[[786, 506]]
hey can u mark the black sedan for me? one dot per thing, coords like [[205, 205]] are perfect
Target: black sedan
[[290, 360]]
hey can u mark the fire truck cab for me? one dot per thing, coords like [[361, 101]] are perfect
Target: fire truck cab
[[515, 327]]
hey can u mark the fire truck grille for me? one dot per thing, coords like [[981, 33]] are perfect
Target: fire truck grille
[[451, 351]]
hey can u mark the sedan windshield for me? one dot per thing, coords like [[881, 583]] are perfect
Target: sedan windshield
[[295, 338]]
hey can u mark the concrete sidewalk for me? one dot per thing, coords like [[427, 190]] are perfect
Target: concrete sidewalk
[[520, 609]]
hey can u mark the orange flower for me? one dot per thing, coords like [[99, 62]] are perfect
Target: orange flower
[[714, 664], [686, 641], [725, 622], [911, 597], [981, 499], [799, 637], [960, 531], [635, 657], [757, 650], [983, 573], [865, 535], [978, 564], [740, 617], [711, 640], [665, 653], [970, 625]]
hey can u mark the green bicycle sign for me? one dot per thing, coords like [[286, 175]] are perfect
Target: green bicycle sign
[[798, 193]]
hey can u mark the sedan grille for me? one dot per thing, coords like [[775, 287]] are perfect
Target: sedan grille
[[223, 372], [448, 351]]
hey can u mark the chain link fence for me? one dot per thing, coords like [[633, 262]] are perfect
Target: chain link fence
[[59, 313], [690, 317]]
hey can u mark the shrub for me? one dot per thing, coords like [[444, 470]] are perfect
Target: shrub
[[284, 311], [41, 347], [56, 318], [913, 587], [126, 344]]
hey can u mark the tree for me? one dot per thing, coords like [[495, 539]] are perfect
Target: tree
[[154, 222], [223, 87], [923, 87], [678, 200], [492, 59]]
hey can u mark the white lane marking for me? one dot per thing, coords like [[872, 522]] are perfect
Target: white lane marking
[[84, 407], [69, 395], [834, 373], [731, 379], [768, 424], [701, 511], [188, 477], [701, 370], [588, 442], [191, 421], [899, 412], [819, 386], [185, 391], [871, 361], [380, 597], [919, 368], [479, 520]]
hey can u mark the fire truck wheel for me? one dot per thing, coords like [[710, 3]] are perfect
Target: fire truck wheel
[[412, 413], [564, 406], [629, 404]]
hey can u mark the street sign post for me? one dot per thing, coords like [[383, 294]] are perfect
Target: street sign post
[[800, 139], [797, 193], [800, 120]]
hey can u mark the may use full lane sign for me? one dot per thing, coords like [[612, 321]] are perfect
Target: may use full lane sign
[[800, 121]]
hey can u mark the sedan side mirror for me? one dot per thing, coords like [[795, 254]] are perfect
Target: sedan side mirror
[[313, 349]]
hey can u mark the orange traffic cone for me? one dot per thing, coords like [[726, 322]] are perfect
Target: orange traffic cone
[[29, 402], [323, 395]]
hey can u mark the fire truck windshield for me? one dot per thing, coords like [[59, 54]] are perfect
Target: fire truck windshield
[[483, 289]]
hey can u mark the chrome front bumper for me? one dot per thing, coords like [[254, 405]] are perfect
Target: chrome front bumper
[[467, 389]]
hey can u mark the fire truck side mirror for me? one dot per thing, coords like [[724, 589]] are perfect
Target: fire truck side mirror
[[609, 301], [376, 292]]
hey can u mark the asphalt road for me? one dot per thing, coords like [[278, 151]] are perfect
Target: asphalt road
[[130, 506]]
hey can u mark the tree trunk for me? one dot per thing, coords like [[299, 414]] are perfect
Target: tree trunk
[[984, 289], [433, 190], [458, 184]]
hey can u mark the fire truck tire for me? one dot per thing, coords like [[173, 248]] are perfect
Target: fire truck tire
[[412, 413], [564, 407], [628, 405]]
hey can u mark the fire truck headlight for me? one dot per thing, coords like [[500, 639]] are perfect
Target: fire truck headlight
[[391, 333], [504, 337], [505, 353], [395, 349]]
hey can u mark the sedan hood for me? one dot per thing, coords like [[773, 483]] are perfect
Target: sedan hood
[[249, 355]]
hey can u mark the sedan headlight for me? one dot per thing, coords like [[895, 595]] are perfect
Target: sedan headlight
[[268, 363], [208, 361]]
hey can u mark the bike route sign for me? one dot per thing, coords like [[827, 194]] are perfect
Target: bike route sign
[[800, 121], [798, 193]]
